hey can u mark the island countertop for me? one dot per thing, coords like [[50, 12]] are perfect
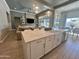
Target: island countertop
[[29, 36]]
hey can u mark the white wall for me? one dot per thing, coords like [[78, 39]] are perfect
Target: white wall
[[72, 13], [68, 7], [3, 17], [5, 5], [58, 12]]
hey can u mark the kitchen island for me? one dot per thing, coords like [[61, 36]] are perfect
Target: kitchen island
[[38, 43]]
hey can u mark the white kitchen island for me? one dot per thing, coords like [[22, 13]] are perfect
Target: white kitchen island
[[37, 43]]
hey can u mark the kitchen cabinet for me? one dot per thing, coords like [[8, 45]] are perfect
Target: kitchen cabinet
[[37, 49], [26, 50], [58, 38], [49, 44], [43, 44]]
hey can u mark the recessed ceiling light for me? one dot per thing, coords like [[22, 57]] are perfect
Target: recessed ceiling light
[[37, 7], [14, 8], [36, 11], [48, 13], [33, 5]]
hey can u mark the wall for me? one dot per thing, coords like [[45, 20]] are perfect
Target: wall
[[5, 6], [67, 14], [3, 17], [60, 13], [72, 13]]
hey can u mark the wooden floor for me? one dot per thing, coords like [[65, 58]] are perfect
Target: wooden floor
[[12, 49], [67, 50]]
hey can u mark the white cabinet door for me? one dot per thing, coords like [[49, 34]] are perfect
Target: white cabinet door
[[58, 38], [37, 49], [49, 44]]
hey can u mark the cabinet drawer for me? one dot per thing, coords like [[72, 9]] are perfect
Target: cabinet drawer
[[49, 38], [39, 41]]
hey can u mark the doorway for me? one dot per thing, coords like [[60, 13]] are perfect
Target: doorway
[[73, 26]]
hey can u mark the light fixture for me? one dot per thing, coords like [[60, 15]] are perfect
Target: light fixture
[[36, 11], [36, 7], [33, 5], [48, 13], [14, 8]]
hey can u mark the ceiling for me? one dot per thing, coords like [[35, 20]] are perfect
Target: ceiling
[[56, 2], [69, 7], [19, 4], [25, 5]]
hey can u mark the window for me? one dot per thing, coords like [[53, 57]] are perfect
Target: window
[[44, 21]]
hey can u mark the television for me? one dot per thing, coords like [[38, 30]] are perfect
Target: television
[[30, 20]]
